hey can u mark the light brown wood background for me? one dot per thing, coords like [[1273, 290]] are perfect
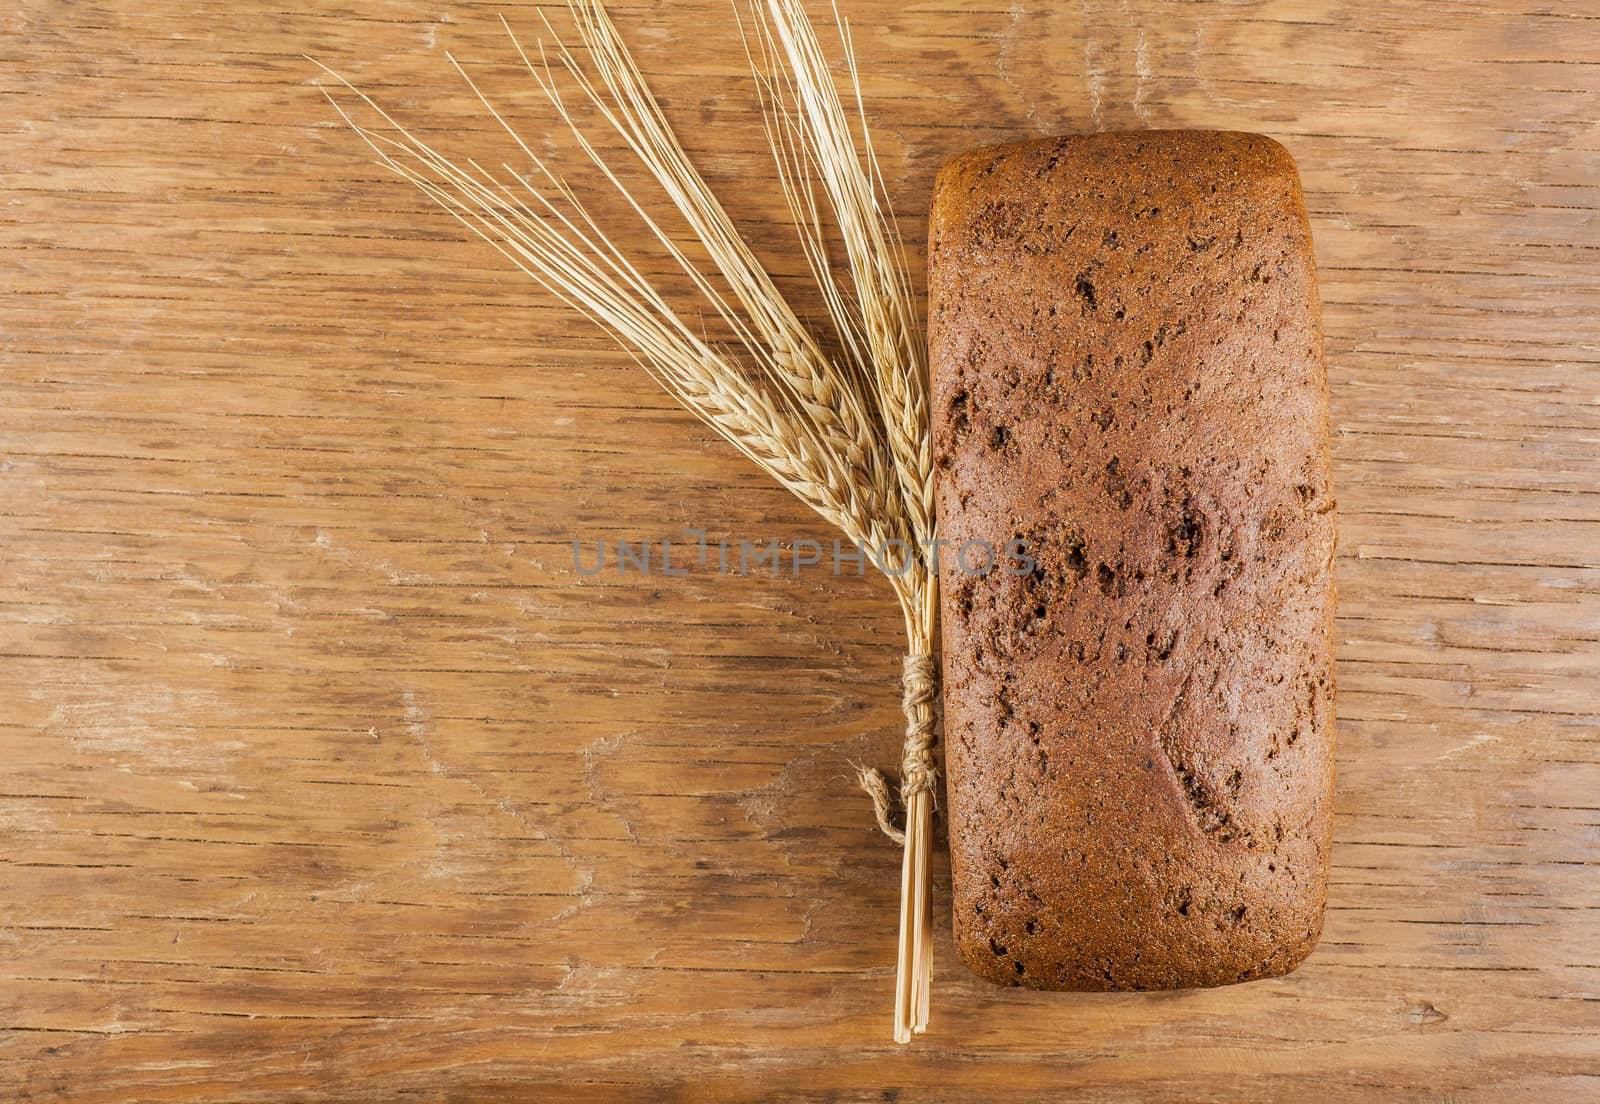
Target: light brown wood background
[[323, 777]]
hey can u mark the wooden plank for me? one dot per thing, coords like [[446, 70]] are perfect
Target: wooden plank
[[327, 777]]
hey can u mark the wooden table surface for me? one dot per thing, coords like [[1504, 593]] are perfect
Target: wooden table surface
[[325, 777]]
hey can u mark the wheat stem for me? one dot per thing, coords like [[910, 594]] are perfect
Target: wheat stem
[[848, 436]]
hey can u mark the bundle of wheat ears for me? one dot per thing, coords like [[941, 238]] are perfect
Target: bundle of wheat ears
[[846, 432]]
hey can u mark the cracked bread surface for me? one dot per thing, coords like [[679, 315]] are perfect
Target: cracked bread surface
[[1127, 374]]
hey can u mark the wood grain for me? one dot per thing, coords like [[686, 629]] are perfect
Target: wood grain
[[326, 777]]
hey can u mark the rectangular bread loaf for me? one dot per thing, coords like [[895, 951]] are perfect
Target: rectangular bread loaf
[[1128, 376]]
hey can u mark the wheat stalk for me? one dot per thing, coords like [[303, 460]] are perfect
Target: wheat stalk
[[848, 436]]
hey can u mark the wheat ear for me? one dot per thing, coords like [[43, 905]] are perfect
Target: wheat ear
[[847, 436], [812, 137]]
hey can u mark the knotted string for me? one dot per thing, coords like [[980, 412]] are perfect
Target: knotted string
[[920, 683]]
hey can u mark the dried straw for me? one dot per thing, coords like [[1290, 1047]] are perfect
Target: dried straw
[[849, 435]]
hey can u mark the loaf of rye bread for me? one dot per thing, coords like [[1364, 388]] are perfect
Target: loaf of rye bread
[[1128, 376]]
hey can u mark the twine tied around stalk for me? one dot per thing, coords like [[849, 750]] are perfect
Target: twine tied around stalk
[[920, 683]]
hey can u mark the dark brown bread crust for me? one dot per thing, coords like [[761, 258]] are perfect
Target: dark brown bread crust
[[1128, 374]]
